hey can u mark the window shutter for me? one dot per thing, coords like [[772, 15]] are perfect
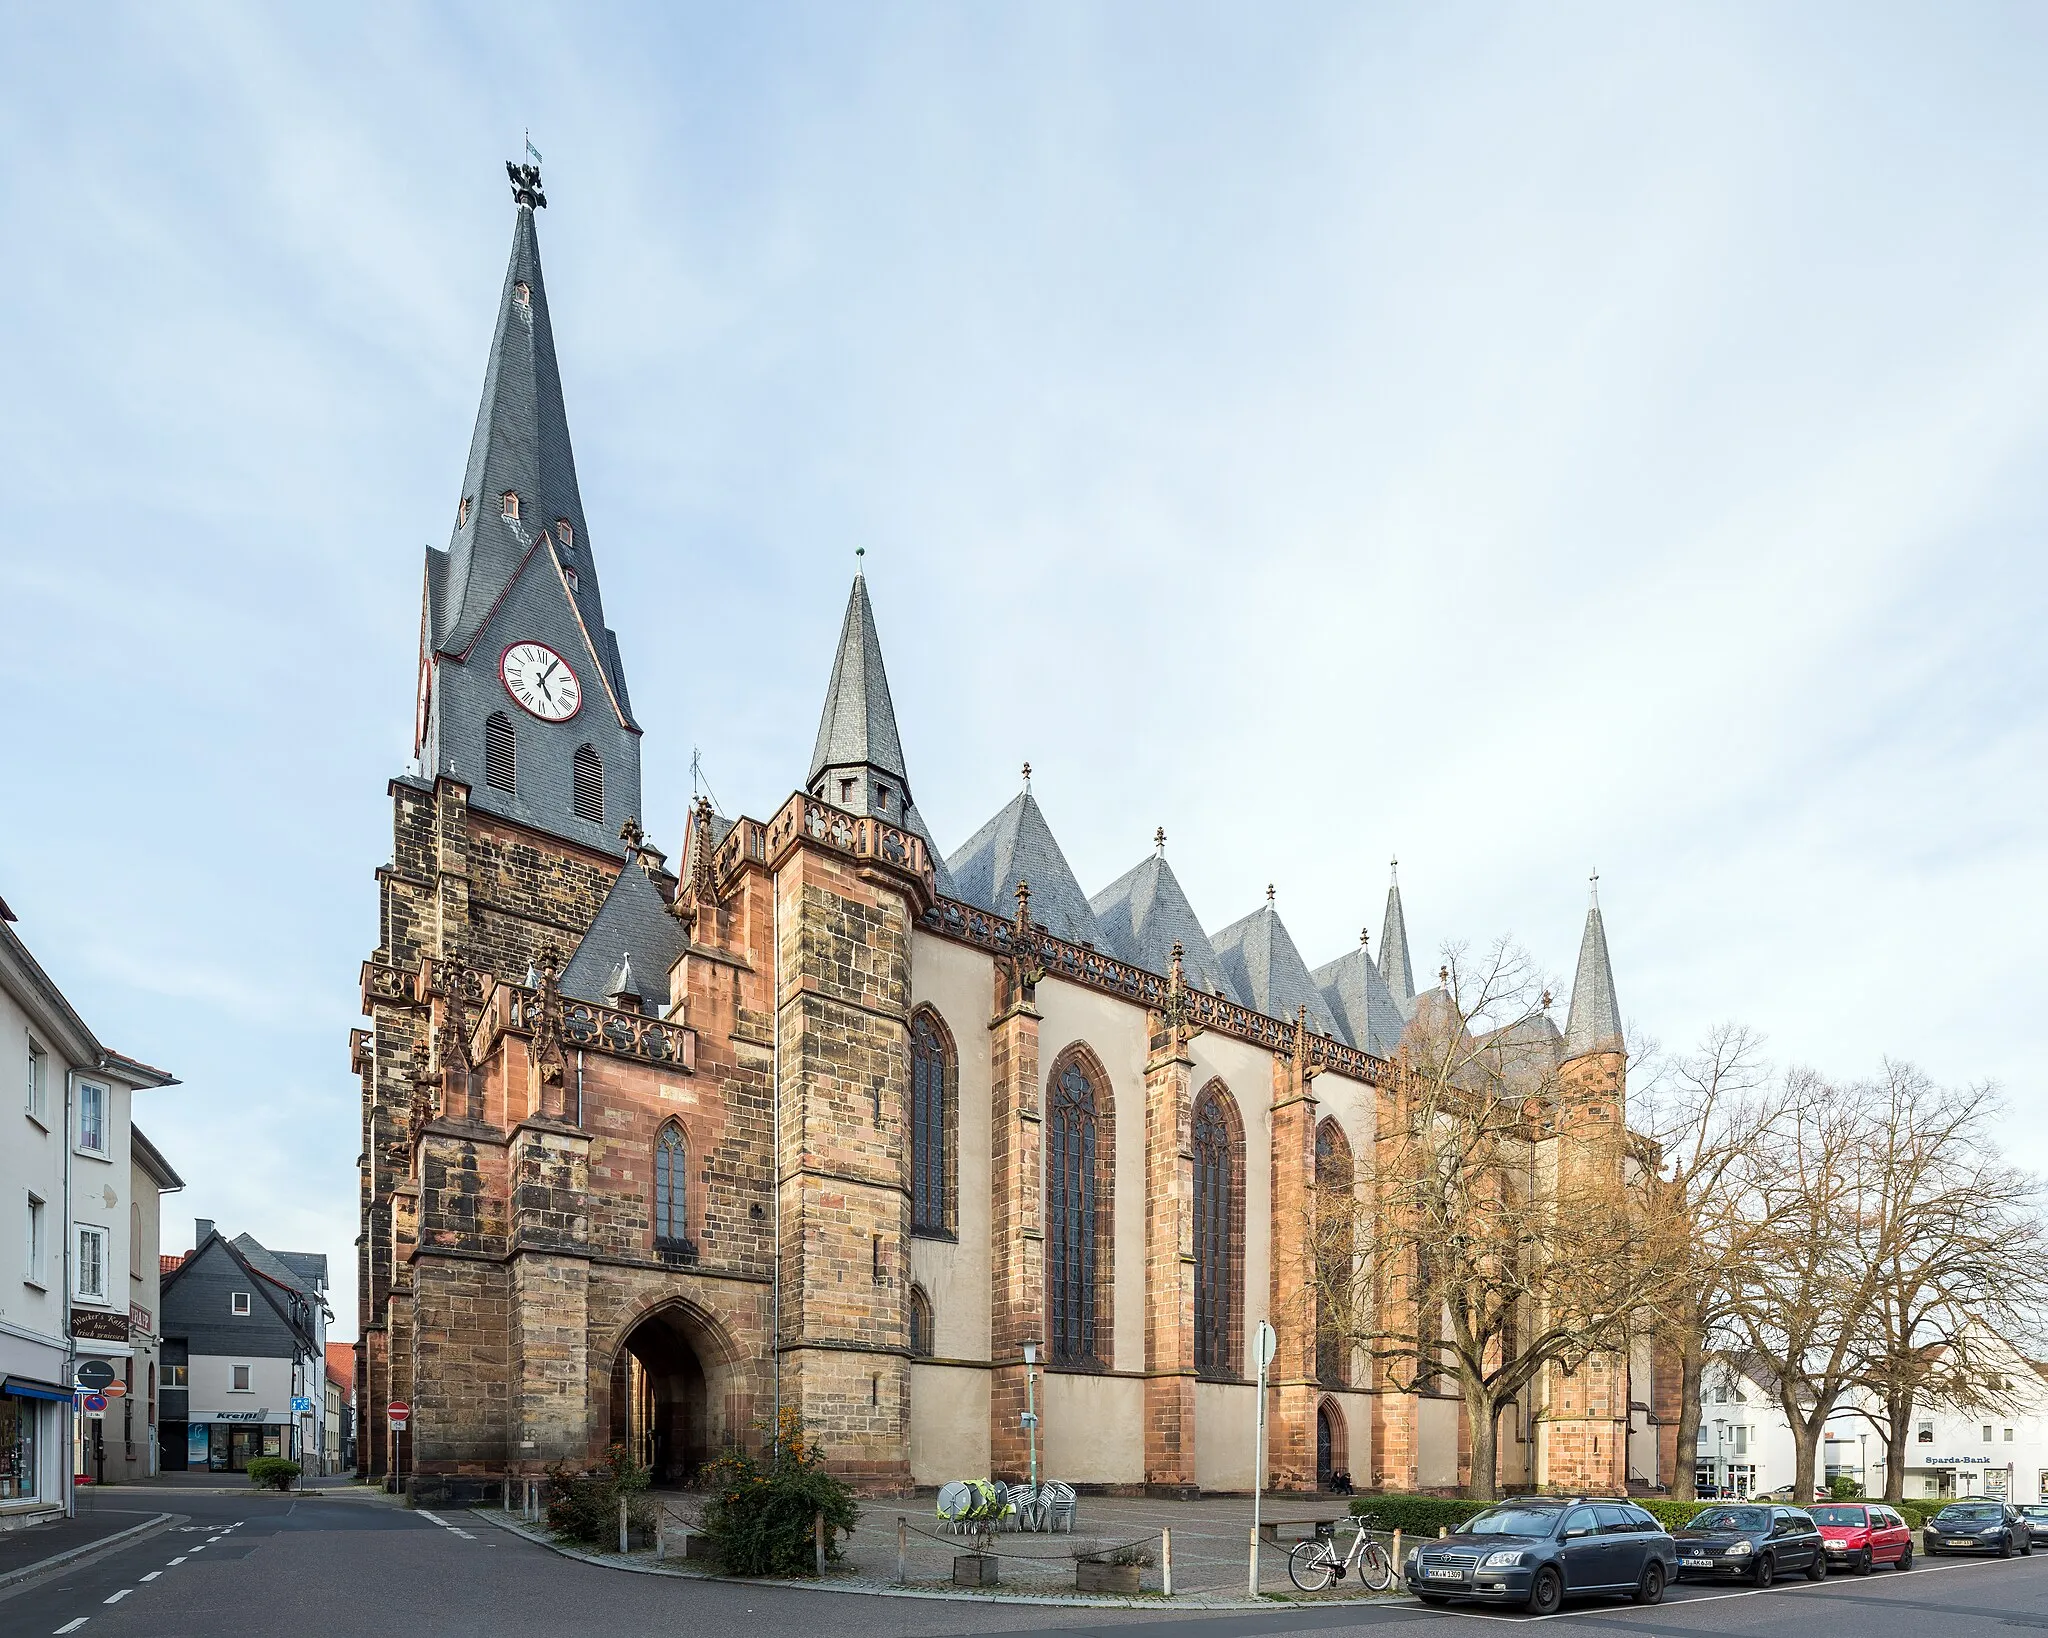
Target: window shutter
[[588, 796], [501, 753]]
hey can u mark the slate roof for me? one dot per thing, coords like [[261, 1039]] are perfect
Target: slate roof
[[303, 1271], [858, 726], [1595, 1022], [1266, 970], [1018, 845], [635, 923], [1395, 966], [521, 444], [1358, 998], [1143, 913]]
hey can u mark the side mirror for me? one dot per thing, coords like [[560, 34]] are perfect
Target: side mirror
[[1578, 1530]]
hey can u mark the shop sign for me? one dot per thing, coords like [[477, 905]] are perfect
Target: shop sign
[[1955, 1461], [1998, 1482], [94, 1374], [230, 1416], [139, 1319], [98, 1326]]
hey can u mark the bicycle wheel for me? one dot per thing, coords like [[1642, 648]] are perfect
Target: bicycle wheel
[[1312, 1565], [1375, 1567]]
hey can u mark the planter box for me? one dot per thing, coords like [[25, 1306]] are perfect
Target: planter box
[[1093, 1577], [974, 1570]]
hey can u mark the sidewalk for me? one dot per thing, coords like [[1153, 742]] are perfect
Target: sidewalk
[[23, 1552]]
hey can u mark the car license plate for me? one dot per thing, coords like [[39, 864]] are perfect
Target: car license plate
[[1838, 1546], [1696, 1563], [1963, 1542], [1437, 1573]]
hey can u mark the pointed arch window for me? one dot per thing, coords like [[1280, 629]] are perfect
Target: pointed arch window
[[587, 782], [508, 505], [1219, 1231], [1336, 1246], [922, 1328], [671, 1186], [934, 1080], [1078, 1213], [501, 753]]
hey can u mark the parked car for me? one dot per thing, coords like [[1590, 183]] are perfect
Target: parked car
[[1979, 1525], [2036, 1516], [1860, 1536], [1541, 1550], [1754, 1540]]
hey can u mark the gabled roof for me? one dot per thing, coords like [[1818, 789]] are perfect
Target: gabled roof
[[1144, 913], [1358, 998], [1595, 1022], [1258, 956], [304, 1271], [341, 1363], [858, 726], [634, 923], [273, 1283], [150, 1158], [1395, 967], [521, 446], [1018, 845]]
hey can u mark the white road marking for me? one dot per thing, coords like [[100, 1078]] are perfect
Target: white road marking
[[123, 1593], [464, 1534], [199, 1547], [153, 1574], [73, 1626], [430, 1517], [180, 1559]]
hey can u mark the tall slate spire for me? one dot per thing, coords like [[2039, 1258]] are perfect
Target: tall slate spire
[[1394, 964], [1595, 1022]]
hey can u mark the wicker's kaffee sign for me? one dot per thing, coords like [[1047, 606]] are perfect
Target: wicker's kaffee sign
[[96, 1326]]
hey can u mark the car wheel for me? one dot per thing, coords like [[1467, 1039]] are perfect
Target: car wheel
[[1546, 1592], [1766, 1571], [1650, 1590], [2005, 1546], [2027, 1547], [1867, 1562], [1905, 1558], [1818, 1569]]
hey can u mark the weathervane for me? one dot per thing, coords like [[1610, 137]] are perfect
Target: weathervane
[[526, 179]]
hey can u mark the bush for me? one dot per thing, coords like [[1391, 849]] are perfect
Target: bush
[[1418, 1515], [762, 1510], [1841, 1488], [274, 1471], [585, 1506]]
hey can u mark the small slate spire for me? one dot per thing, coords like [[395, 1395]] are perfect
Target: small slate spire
[[857, 738], [1394, 964], [1594, 1024]]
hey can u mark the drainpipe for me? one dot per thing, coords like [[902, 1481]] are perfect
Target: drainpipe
[[71, 1432], [775, 1159]]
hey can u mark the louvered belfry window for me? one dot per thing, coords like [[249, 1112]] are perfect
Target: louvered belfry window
[[1214, 1187], [670, 1186], [501, 753], [1072, 1188], [588, 798]]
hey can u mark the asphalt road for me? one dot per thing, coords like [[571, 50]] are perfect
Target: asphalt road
[[240, 1565]]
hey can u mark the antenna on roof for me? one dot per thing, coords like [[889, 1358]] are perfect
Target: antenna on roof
[[699, 784]]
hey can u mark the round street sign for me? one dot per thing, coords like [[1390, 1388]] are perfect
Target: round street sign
[[114, 1390], [1265, 1344], [94, 1374], [399, 1411], [95, 1402]]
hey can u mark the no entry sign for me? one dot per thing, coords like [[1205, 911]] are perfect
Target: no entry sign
[[399, 1412]]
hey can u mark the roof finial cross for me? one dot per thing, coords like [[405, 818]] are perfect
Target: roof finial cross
[[1269, 894], [1594, 879], [1394, 871], [1364, 937], [526, 182], [1159, 843], [1027, 776]]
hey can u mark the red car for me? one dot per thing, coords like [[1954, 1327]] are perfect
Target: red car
[[1862, 1535]]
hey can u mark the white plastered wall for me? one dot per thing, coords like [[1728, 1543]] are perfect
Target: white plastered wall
[[958, 983]]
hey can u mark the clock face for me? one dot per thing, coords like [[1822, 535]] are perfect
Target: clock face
[[541, 681]]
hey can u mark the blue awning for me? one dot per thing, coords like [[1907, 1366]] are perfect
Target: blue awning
[[27, 1387]]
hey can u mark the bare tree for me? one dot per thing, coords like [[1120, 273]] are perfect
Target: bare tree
[[1487, 1238], [1698, 1128]]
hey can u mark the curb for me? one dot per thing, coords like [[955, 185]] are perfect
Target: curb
[[71, 1555], [1191, 1602]]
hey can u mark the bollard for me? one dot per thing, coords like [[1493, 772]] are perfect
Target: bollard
[[1399, 1573], [902, 1550], [622, 1524], [660, 1523], [818, 1541], [1166, 1562], [508, 1495]]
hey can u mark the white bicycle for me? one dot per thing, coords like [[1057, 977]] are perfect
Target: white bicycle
[[1316, 1563]]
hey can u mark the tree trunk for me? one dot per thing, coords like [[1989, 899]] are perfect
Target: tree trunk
[[1898, 1415], [1692, 1365], [1482, 1416], [1805, 1453]]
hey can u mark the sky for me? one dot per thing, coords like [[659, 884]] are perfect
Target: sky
[[1523, 440]]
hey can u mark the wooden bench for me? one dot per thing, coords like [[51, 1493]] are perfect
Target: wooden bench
[[1296, 1529]]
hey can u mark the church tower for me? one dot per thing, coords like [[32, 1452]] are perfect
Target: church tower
[[506, 826]]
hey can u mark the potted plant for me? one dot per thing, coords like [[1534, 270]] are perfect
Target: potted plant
[[1117, 1571]]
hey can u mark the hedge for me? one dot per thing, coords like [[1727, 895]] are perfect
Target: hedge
[[1425, 1515]]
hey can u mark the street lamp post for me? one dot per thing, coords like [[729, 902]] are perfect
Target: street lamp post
[[1031, 1409]]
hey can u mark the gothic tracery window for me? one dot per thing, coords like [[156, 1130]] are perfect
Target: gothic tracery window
[[1077, 1215], [671, 1186], [1335, 1252], [1218, 1211], [922, 1343], [933, 1080]]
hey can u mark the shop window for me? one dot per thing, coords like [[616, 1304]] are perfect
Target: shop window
[[92, 1118], [19, 1454], [238, 1379], [238, 1302], [91, 1282]]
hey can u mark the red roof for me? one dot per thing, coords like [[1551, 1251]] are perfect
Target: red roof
[[166, 1262], [341, 1363]]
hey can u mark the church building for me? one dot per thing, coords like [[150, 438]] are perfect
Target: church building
[[827, 1118]]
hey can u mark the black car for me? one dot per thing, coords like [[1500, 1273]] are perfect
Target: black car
[[1757, 1541], [1978, 1526], [1540, 1550]]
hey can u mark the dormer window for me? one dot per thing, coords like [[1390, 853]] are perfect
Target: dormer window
[[565, 532], [882, 796], [462, 514], [508, 506], [522, 295], [570, 576]]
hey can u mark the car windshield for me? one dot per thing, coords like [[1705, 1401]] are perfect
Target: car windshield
[[1979, 1513], [1731, 1518], [2037, 1514], [1512, 1521], [1837, 1515]]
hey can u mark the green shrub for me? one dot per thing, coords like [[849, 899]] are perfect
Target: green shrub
[[1842, 1488], [585, 1506], [274, 1471], [763, 1509], [1418, 1515]]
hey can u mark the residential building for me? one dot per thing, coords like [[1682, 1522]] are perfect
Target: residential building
[[922, 1111], [339, 1427], [243, 1354], [74, 1185], [150, 1179]]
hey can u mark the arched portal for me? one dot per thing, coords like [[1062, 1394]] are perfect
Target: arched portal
[[661, 1409], [1333, 1460]]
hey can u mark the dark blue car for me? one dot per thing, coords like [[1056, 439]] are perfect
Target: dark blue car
[[1540, 1550]]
